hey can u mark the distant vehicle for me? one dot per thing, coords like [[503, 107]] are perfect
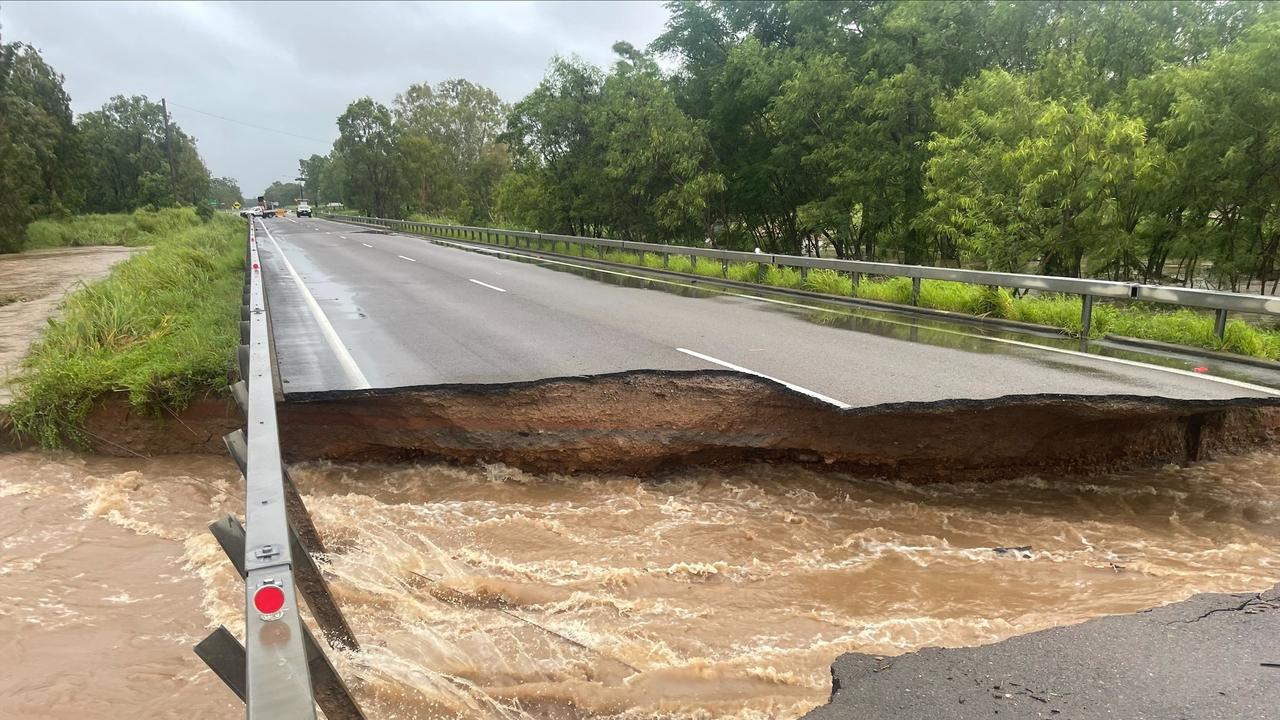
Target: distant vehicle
[[257, 211], [304, 210], [246, 212]]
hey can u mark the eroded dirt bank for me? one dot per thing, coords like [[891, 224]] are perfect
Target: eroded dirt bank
[[644, 422], [648, 422]]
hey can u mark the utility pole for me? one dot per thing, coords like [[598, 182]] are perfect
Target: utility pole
[[168, 146]]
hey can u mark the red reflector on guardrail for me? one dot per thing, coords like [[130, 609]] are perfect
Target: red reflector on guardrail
[[269, 600]]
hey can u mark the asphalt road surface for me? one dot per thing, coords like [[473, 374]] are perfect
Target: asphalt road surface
[[353, 307]]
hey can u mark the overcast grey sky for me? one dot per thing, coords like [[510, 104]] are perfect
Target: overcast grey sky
[[295, 66]]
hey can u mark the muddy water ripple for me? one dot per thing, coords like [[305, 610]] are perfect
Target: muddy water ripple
[[490, 593]]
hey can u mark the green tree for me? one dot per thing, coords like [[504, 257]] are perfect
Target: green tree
[[367, 146], [549, 133], [226, 191], [1016, 180], [38, 143], [448, 135], [126, 164], [284, 193], [1224, 135]]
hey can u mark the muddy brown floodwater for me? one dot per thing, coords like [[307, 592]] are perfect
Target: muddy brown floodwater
[[489, 593]]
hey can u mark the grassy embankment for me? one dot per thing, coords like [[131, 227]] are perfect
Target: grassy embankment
[[1141, 320], [162, 326]]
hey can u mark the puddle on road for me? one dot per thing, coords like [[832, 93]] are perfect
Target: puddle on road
[[708, 593]]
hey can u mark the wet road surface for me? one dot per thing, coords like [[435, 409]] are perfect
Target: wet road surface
[[352, 308]]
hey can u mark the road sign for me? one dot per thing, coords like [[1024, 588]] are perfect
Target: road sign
[[236, 205]]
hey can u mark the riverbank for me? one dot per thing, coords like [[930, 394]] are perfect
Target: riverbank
[[1212, 657], [33, 284], [161, 327]]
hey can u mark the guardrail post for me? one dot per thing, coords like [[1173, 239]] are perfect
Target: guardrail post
[[804, 273], [760, 272], [666, 259], [724, 269], [915, 291], [856, 277], [693, 261], [1220, 323], [1086, 315]]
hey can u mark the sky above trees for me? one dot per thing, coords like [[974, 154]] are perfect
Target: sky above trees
[[294, 67]]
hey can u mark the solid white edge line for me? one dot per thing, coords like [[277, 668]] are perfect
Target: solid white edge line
[[491, 287], [1273, 392], [792, 386], [339, 350], [406, 258]]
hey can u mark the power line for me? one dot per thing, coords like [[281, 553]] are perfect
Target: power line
[[249, 124]]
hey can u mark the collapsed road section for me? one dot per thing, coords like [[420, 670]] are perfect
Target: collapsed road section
[[647, 421]]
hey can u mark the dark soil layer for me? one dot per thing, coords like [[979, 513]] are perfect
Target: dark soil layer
[[647, 422]]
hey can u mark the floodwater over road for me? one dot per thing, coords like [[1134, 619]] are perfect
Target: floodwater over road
[[490, 593]]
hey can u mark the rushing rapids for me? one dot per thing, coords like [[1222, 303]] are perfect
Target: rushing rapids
[[490, 593]]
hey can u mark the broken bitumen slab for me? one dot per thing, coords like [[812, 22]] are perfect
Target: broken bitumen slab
[[1213, 656]]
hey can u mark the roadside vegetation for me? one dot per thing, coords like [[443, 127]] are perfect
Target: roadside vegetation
[[1131, 141], [141, 227], [161, 327], [58, 172]]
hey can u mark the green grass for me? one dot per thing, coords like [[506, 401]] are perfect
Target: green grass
[[162, 327], [141, 227]]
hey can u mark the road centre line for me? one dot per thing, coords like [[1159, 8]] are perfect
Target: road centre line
[[491, 287], [339, 350], [739, 368], [406, 258], [1273, 392]]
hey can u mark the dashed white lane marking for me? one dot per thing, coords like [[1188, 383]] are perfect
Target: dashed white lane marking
[[342, 237], [491, 287], [739, 368], [406, 258], [366, 245], [347, 362]]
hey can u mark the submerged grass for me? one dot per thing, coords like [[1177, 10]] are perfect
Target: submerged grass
[[162, 326], [1152, 322]]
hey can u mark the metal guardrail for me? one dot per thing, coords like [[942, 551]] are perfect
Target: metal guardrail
[[278, 684], [281, 672], [1220, 302]]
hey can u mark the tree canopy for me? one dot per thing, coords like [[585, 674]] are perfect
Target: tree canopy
[[109, 160], [1124, 139]]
